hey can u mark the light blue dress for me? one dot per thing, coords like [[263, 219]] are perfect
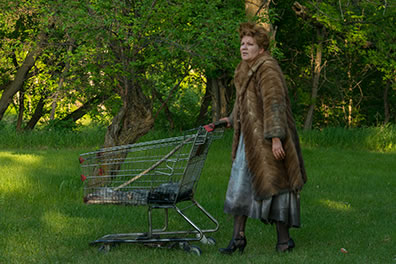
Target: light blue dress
[[240, 198]]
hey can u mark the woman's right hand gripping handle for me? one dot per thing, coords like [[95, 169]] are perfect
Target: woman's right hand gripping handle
[[223, 122]]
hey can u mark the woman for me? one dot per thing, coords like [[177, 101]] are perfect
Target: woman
[[268, 170]]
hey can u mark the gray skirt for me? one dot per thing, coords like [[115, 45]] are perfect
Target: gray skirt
[[240, 199]]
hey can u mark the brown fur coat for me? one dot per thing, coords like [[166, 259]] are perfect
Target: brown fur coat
[[262, 111]]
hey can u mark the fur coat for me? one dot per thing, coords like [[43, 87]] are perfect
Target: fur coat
[[262, 111]]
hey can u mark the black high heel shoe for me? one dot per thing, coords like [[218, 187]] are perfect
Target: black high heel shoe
[[235, 243], [290, 245]]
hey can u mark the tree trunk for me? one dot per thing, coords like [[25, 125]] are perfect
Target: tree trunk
[[315, 80], [54, 105], [350, 106], [3, 87], [350, 101], [133, 120], [218, 91], [215, 94], [55, 97], [60, 86], [21, 109], [38, 113], [82, 110], [164, 105], [18, 81], [259, 8], [386, 103], [223, 98], [203, 111]]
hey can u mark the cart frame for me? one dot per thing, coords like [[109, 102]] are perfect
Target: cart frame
[[141, 187]]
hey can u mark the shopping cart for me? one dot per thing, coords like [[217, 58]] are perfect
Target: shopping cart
[[159, 174]]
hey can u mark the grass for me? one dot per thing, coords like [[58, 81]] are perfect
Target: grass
[[381, 139], [51, 139], [348, 202]]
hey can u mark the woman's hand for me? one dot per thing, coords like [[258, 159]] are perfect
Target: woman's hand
[[226, 119], [277, 149], [224, 122]]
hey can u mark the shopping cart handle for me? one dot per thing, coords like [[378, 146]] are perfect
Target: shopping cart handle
[[212, 126]]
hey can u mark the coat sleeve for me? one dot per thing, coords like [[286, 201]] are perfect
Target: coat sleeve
[[231, 118], [233, 113], [274, 101]]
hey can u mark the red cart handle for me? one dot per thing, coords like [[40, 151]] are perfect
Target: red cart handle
[[212, 126]]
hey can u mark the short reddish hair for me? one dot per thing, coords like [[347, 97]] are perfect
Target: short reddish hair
[[255, 31]]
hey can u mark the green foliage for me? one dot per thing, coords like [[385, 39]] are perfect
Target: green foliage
[[355, 55], [94, 49], [82, 58], [61, 125], [160, 44]]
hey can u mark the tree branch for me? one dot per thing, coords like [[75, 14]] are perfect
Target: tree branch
[[170, 93]]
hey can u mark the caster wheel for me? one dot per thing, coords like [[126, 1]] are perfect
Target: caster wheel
[[191, 249], [207, 240], [106, 247], [211, 241], [195, 250]]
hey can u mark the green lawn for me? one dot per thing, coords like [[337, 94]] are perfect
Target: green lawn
[[348, 202]]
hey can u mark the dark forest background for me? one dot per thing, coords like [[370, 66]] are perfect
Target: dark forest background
[[134, 66]]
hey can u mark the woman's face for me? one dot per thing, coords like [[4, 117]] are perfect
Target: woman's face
[[249, 49]]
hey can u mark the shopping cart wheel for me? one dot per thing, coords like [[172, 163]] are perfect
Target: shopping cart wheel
[[106, 247], [192, 249], [207, 240], [210, 241], [195, 250]]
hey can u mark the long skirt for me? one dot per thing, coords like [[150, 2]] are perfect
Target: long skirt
[[240, 199]]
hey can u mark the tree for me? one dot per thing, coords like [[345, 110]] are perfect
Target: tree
[[25, 28], [135, 64], [260, 9], [128, 43], [22, 42], [342, 30]]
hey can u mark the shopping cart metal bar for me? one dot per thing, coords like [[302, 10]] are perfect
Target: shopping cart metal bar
[[159, 174]]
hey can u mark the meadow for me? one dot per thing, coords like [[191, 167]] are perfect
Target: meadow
[[348, 202]]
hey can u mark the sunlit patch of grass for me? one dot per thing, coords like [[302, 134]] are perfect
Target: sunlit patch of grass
[[342, 206], [15, 168], [57, 222], [378, 139]]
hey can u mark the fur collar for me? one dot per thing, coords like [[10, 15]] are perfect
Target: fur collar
[[243, 71]]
